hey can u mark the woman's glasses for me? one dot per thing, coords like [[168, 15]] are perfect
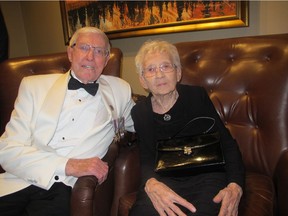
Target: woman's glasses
[[164, 68]]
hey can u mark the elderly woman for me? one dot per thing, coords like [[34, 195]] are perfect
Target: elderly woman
[[168, 107]]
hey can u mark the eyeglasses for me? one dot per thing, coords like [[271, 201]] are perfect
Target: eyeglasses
[[164, 68], [98, 51]]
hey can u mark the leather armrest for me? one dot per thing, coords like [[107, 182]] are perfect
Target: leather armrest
[[258, 196], [129, 139], [281, 179], [87, 194], [127, 173], [127, 169], [83, 195]]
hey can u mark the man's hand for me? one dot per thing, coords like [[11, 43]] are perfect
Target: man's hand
[[164, 199], [230, 198], [91, 166]]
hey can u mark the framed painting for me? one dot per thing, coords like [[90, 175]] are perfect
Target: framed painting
[[121, 19]]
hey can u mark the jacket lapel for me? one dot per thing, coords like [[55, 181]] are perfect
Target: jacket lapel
[[49, 114], [108, 97]]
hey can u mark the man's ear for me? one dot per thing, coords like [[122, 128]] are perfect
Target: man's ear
[[107, 59], [69, 53]]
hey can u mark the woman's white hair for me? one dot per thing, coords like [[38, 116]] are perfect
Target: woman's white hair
[[156, 46]]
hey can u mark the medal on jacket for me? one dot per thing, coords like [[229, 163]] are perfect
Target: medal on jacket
[[119, 128], [118, 124]]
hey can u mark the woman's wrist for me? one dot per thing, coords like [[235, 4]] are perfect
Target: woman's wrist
[[149, 184], [235, 186]]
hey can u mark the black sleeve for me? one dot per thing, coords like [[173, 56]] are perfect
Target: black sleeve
[[142, 124]]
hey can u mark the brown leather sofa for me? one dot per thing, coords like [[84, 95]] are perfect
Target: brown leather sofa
[[88, 198], [247, 80]]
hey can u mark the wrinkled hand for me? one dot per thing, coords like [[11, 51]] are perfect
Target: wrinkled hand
[[90, 166], [164, 199], [230, 198]]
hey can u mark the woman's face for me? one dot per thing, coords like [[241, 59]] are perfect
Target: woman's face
[[159, 81]]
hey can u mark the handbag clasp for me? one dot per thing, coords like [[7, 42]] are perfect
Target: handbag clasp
[[187, 150]]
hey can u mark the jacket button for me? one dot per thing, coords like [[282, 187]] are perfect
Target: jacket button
[[56, 178]]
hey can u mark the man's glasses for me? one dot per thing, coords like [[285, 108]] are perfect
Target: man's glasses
[[85, 48], [164, 68]]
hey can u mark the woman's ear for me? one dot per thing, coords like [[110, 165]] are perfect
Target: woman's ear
[[179, 74], [143, 81]]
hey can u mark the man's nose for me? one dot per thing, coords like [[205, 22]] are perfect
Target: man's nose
[[90, 54]]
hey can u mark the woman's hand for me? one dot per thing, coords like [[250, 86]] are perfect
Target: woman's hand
[[230, 197], [164, 199]]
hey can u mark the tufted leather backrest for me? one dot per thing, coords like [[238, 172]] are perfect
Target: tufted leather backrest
[[247, 80], [13, 70]]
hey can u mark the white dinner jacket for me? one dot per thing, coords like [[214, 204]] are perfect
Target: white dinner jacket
[[24, 150]]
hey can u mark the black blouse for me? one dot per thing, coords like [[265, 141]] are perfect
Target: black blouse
[[193, 102]]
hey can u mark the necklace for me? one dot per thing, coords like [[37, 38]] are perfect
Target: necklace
[[162, 109]]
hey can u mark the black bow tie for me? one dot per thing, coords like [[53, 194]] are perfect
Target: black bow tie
[[91, 88]]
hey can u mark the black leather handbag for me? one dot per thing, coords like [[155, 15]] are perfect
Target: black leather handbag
[[178, 155]]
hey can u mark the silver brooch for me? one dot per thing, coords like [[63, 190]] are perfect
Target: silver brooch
[[167, 117]]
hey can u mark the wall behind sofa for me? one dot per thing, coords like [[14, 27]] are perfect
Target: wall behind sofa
[[35, 27]]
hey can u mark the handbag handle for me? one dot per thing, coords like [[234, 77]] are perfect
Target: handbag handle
[[192, 120]]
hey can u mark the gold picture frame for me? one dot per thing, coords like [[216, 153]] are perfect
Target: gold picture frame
[[122, 19]]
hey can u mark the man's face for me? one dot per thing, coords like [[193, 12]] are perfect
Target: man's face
[[88, 57]]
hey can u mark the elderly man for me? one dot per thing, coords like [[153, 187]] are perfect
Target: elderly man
[[61, 127]]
